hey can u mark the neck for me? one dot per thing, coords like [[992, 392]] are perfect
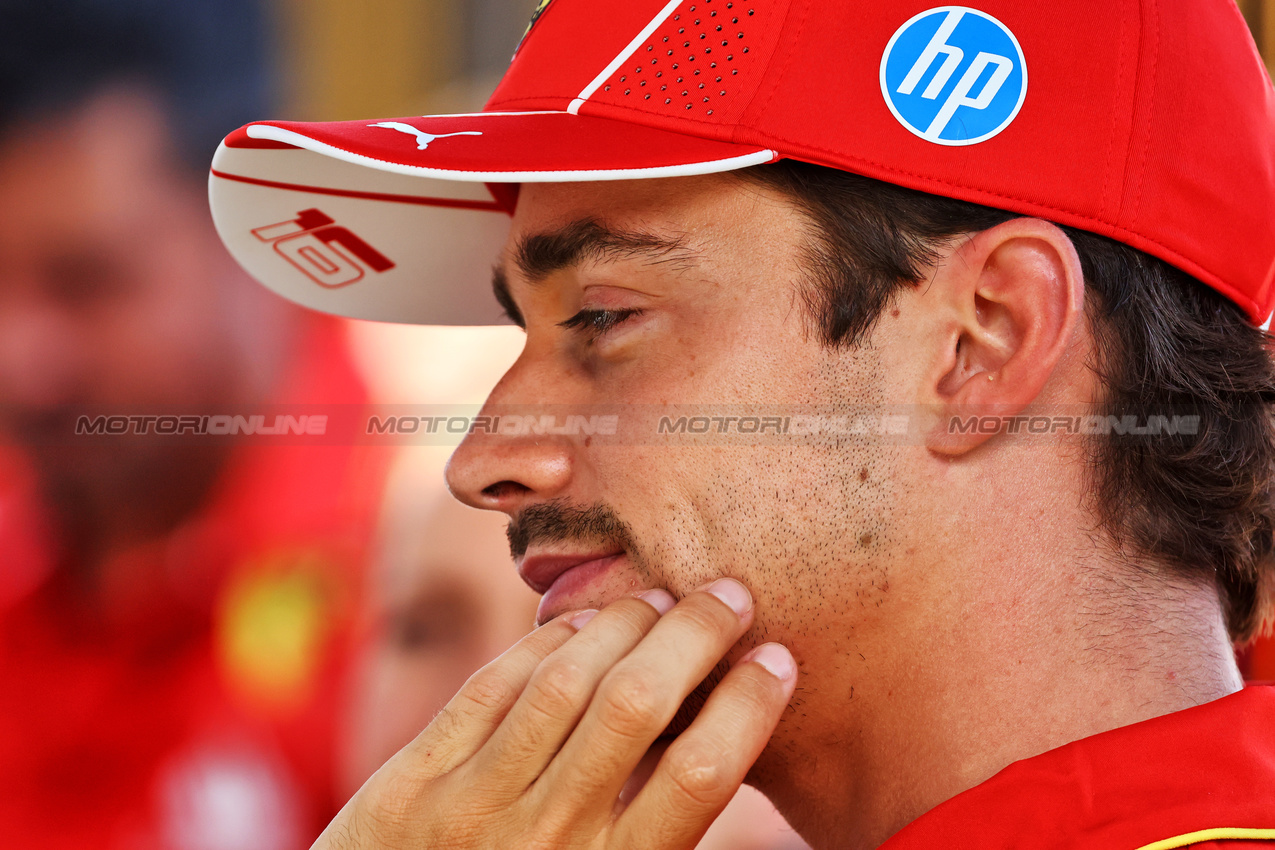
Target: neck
[[994, 659]]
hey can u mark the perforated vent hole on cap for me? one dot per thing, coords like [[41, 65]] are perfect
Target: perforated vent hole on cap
[[692, 61]]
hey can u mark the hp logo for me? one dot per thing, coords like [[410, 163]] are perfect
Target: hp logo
[[954, 76]]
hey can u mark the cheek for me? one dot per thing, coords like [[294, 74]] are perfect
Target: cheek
[[811, 523], [801, 526]]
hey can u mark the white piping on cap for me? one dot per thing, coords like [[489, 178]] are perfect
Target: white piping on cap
[[488, 114], [624, 54], [713, 166]]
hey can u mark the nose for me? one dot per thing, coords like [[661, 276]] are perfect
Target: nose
[[507, 471], [505, 474]]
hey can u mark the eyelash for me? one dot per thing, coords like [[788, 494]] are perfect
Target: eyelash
[[595, 324]]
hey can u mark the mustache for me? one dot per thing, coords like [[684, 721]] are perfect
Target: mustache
[[554, 522]]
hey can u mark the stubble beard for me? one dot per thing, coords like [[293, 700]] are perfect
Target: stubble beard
[[599, 524]]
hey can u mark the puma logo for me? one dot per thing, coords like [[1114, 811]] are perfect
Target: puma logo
[[422, 138]]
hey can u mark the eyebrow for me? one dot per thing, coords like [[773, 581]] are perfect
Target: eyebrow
[[539, 255]]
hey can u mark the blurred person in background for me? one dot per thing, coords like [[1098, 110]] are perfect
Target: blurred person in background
[[170, 608], [443, 603]]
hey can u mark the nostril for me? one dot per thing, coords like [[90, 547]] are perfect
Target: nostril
[[504, 489]]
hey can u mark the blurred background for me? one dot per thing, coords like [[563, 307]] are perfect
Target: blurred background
[[212, 643]]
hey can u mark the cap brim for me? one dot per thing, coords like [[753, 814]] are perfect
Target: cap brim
[[401, 219]]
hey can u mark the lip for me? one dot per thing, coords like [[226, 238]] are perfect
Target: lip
[[563, 575], [541, 571]]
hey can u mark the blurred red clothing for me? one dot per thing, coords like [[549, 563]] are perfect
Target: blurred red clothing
[[1257, 660], [1200, 778], [200, 711]]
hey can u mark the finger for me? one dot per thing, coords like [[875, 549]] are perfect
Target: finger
[[639, 696], [704, 767], [641, 774], [560, 689], [468, 720]]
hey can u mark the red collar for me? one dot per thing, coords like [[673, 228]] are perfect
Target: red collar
[[1207, 768]]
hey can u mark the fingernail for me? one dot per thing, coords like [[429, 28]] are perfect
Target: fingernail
[[580, 618], [733, 594], [776, 658], [660, 600]]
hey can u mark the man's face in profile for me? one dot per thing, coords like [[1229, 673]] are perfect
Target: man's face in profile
[[688, 292]]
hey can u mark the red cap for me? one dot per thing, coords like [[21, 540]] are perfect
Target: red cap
[[1148, 121]]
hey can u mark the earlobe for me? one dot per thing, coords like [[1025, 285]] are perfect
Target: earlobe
[[1012, 297]]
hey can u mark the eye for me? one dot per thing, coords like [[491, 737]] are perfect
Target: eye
[[594, 324]]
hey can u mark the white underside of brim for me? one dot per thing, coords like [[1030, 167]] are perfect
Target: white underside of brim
[[290, 137], [441, 229], [441, 255]]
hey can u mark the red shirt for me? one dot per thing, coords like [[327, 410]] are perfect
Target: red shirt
[[201, 712], [1188, 779]]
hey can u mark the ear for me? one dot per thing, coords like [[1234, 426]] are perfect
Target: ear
[[1007, 302]]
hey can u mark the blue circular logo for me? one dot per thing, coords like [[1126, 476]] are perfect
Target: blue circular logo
[[954, 76]]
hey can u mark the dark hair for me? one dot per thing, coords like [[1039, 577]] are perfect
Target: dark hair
[[204, 60], [1203, 504]]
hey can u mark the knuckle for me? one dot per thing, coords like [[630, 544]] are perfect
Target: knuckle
[[559, 687], [630, 704], [461, 826], [698, 774], [488, 689], [392, 803], [434, 750], [442, 727]]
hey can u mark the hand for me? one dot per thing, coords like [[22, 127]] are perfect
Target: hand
[[536, 748]]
